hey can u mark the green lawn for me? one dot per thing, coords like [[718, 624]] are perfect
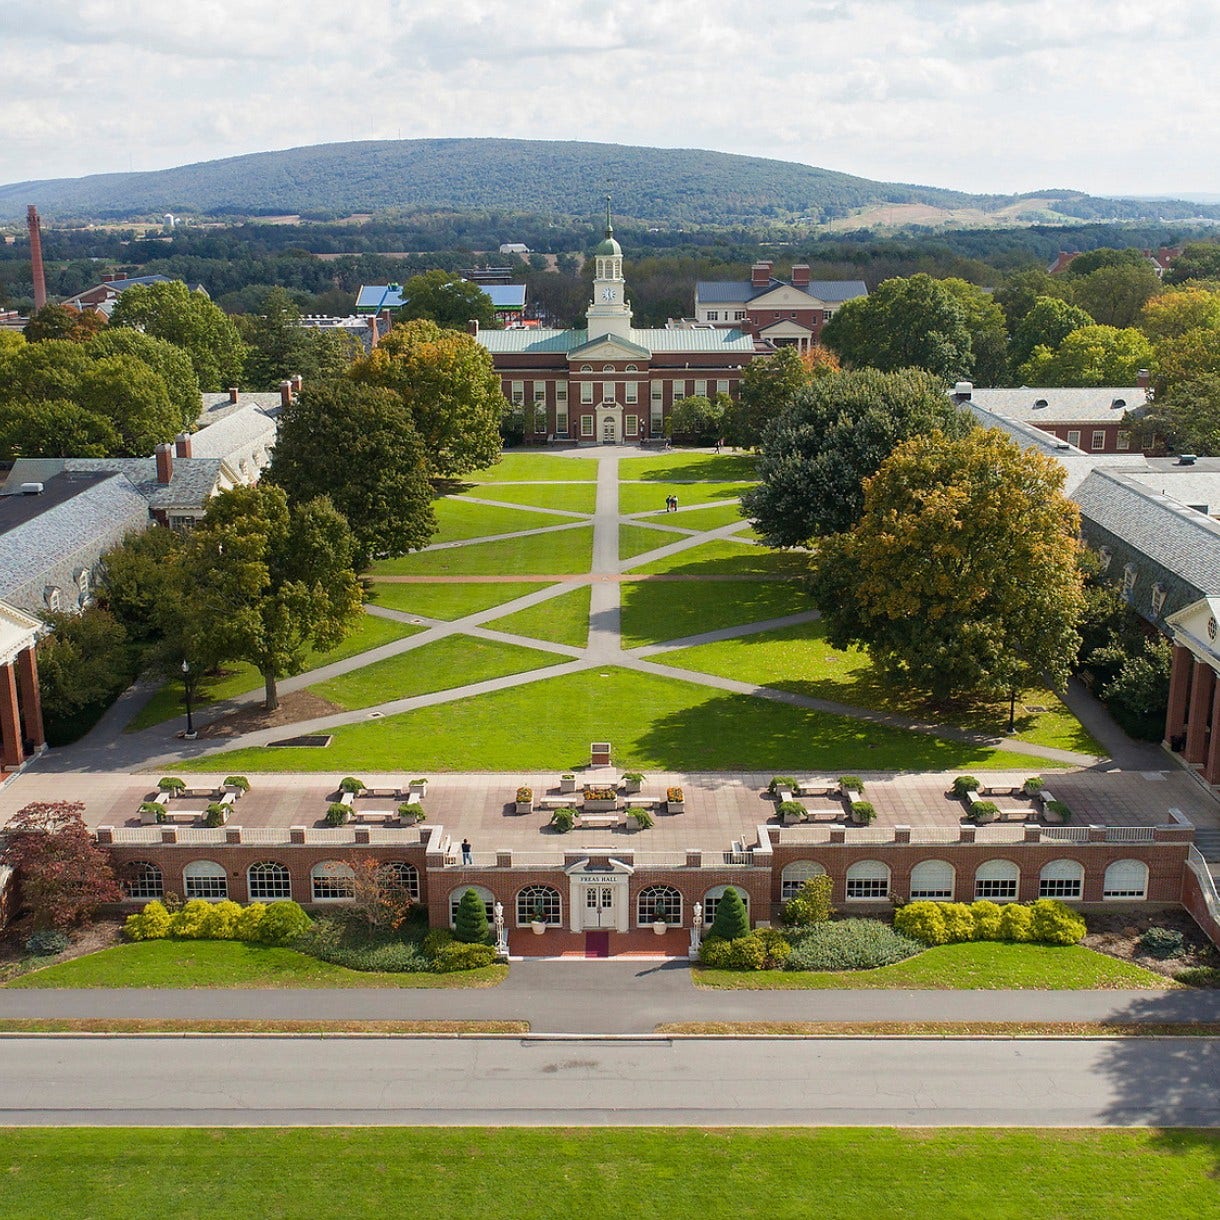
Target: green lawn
[[560, 553], [650, 496], [449, 601], [657, 723], [526, 467], [455, 661], [570, 497], [800, 659], [700, 518], [658, 610], [724, 557], [461, 519], [678, 465], [229, 963], [238, 677], [982, 965], [605, 1172], [561, 620], [636, 539]]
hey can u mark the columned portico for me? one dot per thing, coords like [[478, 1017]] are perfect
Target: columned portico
[[20, 702], [1192, 720], [598, 897]]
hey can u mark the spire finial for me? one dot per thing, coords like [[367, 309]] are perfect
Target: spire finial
[[609, 226]]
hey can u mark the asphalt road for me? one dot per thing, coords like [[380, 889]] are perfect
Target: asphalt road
[[513, 1081]]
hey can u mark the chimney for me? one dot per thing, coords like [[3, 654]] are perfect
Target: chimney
[[285, 393], [374, 337], [34, 223], [296, 382], [233, 392], [165, 464], [800, 275], [1143, 379], [182, 445], [760, 275], [472, 327], [963, 391], [110, 277]]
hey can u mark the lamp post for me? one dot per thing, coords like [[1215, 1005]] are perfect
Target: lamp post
[[186, 683]]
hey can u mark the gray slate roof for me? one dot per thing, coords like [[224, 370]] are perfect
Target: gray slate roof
[[1063, 404], [738, 292], [236, 432], [213, 406], [194, 479]]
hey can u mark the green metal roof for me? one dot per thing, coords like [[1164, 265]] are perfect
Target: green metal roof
[[654, 340]]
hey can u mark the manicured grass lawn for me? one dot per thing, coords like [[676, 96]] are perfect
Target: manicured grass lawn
[[982, 965], [800, 659], [643, 497], [560, 552], [448, 601], [529, 466], [455, 661], [604, 1172], [679, 465], [229, 963], [561, 620], [726, 558], [658, 723], [701, 518], [636, 539], [238, 677], [571, 497], [461, 519], [657, 610]]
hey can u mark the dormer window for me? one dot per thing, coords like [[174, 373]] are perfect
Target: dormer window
[[1119, 404], [51, 596], [1159, 593], [1129, 581], [1105, 555], [1039, 402], [84, 579]]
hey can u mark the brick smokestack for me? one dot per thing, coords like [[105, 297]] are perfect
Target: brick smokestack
[[800, 275], [182, 445], [286, 393], [233, 393], [472, 327], [374, 337], [1143, 379], [760, 275], [165, 464], [34, 223], [296, 381]]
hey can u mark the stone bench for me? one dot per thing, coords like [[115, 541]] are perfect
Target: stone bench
[[571, 801], [641, 802], [806, 787], [1046, 796], [598, 820], [375, 815], [383, 794], [784, 794]]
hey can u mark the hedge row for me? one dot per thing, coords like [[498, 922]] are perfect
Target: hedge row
[[1045, 921], [276, 923]]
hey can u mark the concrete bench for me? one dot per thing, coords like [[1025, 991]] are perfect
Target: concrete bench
[[598, 820], [1046, 796], [383, 794], [348, 799], [558, 802], [184, 815], [784, 794], [375, 815], [806, 787], [641, 802]]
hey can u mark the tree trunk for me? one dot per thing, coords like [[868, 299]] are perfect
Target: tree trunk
[[272, 700]]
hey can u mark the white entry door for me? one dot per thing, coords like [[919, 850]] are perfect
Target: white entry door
[[599, 906], [609, 430]]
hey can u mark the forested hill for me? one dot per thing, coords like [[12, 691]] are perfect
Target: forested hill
[[665, 186]]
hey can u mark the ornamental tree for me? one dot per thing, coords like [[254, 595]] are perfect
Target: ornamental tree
[[732, 920], [63, 322], [378, 898], [962, 576], [470, 924], [358, 445], [64, 875], [834, 434]]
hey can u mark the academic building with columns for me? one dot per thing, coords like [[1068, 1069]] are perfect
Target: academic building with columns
[[613, 383], [21, 731]]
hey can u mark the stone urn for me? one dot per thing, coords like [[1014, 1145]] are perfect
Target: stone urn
[[660, 927], [537, 926]]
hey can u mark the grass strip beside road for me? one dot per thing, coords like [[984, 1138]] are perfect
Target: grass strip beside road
[[323, 1172], [978, 965], [939, 1029], [152, 1025]]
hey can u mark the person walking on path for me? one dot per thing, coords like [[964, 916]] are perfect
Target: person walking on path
[[467, 854]]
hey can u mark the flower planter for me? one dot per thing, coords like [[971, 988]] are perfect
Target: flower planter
[[419, 786], [632, 785], [537, 926], [567, 783], [675, 806], [599, 806], [524, 806], [660, 927]]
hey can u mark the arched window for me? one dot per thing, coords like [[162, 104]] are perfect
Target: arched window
[[1061, 879], [268, 881], [997, 880], [868, 880], [932, 879], [539, 902], [144, 881], [607, 368], [796, 874], [659, 902], [205, 879], [400, 875], [1125, 881], [586, 368], [631, 368], [332, 881], [489, 902], [711, 900]]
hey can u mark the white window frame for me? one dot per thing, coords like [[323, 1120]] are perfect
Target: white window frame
[[561, 422], [1062, 879], [632, 392], [1122, 441], [205, 879], [679, 390], [795, 874], [713, 315], [586, 393], [400, 875], [700, 388], [1074, 437], [145, 881], [561, 392], [517, 394], [529, 896], [646, 905], [722, 387], [927, 881], [868, 881], [631, 425], [332, 881], [586, 425], [1118, 884], [1098, 440], [656, 393], [539, 391], [1002, 882], [268, 881], [540, 416], [657, 424]]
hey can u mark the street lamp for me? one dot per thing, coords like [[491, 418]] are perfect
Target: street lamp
[[186, 683]]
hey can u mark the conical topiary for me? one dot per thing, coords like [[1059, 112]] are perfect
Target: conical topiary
[[470, 926], [732, 920]]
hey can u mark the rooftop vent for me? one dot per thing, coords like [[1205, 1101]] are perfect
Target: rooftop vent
[[1187, 459], [1040, 402], [33, 489], [1118, 404]]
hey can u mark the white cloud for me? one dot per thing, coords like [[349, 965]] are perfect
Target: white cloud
[[982, 94]]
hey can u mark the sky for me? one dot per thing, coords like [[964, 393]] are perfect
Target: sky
[[1105, 96]]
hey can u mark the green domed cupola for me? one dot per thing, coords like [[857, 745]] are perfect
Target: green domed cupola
[[609, 312]]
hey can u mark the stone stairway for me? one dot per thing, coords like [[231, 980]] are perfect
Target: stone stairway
[[1207, 840]]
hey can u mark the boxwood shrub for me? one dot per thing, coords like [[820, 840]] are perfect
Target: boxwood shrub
[[850, 944]]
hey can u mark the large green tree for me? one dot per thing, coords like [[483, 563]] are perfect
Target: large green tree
[[84, 662], [1115, 295], [1185, 419], [448, 300], [962, 576], [835, 433], [1047, 324], [165, 359], [265, 581], [189, 319], [63, 322], [1199, 260], [1090, 356], [280, 347], [58, 428], [768, 386], [124, 390], [448, 383], [699, 419], [358, 445], [985, 322]]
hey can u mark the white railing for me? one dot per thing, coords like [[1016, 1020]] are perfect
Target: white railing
[[936, 834], [1068, 834], [201, 834], [1130, 834], [262, 835], [804, 834], [1207, 883], [870, 834], [136, 834]]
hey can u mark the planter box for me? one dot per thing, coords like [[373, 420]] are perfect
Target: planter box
[[566, 784], [594, 806], [632, 785], [675, 806], [420, 788], [524, 806]]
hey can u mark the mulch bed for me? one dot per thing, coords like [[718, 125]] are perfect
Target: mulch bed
[[1118, 935], [299, 705]]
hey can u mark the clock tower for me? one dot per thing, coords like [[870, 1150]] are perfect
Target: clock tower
[[609, 313]]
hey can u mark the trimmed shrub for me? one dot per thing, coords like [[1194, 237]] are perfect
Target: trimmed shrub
[[171, 783], [471, 922], [923, 921], [152, 923], [747, 953], [643, 819], [791, 809], [964, 784], [863, 812], [435, 939], [1199, 976], [959, 922], [564, 819], [851, 944], [986, 916], [983, 811], [283, 923], [1060, 809], [337, 814], [155, 808], [46, 942], [239, 782], [1053, 923], [463, 957], [777, 947], [391, 957], [214, 815], [349, 783], [781, 781], [1035, 783], [1163, 943], [732, 921], [810, 904], [411, 812], [220, 923], [851, 783], [1015, 922], [189, 922], [250, 922], [716, 953]]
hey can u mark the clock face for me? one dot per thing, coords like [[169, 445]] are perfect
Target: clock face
[[607, 294]]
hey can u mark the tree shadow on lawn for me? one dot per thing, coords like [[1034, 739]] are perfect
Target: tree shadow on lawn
[[702, 468], [743, 733], [754, 562]]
